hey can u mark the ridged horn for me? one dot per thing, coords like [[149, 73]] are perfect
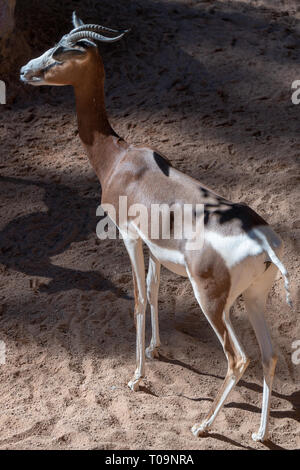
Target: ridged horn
[[96, 28], [77, 22], [91, 35]]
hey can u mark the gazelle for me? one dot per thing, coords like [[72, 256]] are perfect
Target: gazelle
[[240, 253]]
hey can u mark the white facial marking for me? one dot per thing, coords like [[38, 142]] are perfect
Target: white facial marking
[[31, 72]]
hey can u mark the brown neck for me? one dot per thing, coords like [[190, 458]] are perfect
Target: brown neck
[[98, 138]]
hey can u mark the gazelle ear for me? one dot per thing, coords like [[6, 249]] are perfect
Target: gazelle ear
[[63, 53], [76, 21]]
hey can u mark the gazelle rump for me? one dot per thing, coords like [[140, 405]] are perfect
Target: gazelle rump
[[240, 253]]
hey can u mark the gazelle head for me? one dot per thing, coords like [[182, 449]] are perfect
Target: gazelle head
[[62, 65]]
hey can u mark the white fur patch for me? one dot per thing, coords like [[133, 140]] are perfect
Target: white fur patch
[[172, 259], [234, 249]]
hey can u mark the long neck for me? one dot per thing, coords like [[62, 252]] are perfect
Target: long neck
[[94, 129]]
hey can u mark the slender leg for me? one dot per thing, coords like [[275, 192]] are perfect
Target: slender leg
[[135, 251], [255, 299], [153, 278], [217, 314]]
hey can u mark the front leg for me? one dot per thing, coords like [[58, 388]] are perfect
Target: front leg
[[135, 251], [153, 278]]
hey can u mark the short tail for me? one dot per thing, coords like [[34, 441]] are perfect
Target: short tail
[[275, 260]]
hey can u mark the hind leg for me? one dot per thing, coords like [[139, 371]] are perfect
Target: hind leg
[[214, 305], [255, 299]]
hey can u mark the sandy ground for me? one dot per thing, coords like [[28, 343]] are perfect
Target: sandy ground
[[209, 85]]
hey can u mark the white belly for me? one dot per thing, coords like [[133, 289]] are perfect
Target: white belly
[[171, 259]]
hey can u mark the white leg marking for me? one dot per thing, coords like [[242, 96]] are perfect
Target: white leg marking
[[153, 278], [202, 428], [255, 299], [135, 251]]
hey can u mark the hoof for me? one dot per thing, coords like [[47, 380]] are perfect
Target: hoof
[[259, 437], [134, 385], [152, 353], [200, 430]]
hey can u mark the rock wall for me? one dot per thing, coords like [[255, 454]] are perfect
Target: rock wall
[[13, 49], [7, 22]]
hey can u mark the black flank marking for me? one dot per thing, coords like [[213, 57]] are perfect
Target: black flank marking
[[241, 212], [163, 163]]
